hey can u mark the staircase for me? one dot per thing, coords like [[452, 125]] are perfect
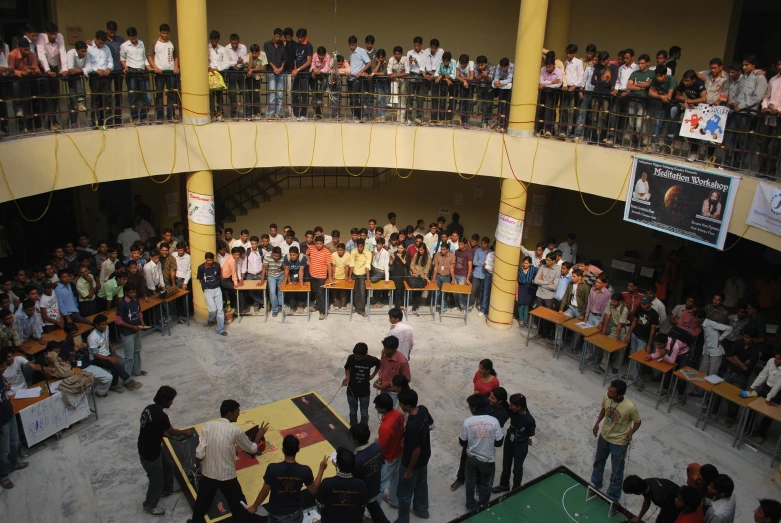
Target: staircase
[[250, 190]]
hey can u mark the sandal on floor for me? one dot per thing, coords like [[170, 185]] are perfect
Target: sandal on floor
[[6, 483], [182, 321], [456, 485], [223, 333]]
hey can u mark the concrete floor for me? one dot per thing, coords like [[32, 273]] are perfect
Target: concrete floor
[[92, 474]]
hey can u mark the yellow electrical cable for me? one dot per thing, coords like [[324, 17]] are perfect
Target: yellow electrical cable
[[455, 161], [51, 192], [314, 145], [254, 148], [396, 153], [341, 133], [738, 240], [143, 157], [92, 168], [580, 192]]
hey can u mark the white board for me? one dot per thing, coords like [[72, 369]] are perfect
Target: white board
[[50, 416]]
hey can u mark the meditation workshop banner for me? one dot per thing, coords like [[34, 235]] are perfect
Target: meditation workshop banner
[[689, 203]]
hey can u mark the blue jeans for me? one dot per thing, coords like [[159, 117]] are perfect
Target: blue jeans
[[352, 401], [165, 80], [214, 306], [275, 293], [487, 283], [131, 344], [572, 312], [462, 298], [139, 82], [389, 477], [412, 492], [523, 313], [255, 296], [662, 113], [382, 101], [276, 94], [9, 447], [617, 454], [440, 281], [635, 345]]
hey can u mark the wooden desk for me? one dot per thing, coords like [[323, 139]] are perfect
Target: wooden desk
[[572, 325], [731, 393], [760, 406], [703, 385], [455, 288], [22, 404], [340, 285], [381, 285], [607, 344], [32, 347], [174, 293], [433, 290], [639, 359], [297, 287], [544, 313], [249, 285]]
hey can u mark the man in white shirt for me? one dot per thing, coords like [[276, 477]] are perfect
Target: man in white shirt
[[380, 264], [216, 458], [569, 249], [428, 64], [401, 330], [276, 240], [722, 506], [50, 47], [183, 267], [165, 63], [641, 191], [480, 434], [621, 100], [255, 270], [574, 78], [236, 56], [13, 373], [153, 274], [132, 54], [127, 238], [768, 386], [78, 68], [289, 242], [217, 64], [431, 237], [101, 63]]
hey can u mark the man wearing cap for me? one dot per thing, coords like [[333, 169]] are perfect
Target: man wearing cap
[[641, 332]]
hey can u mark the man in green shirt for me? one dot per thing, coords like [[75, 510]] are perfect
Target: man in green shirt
[[110, 291], [661, 91], [638, 85]]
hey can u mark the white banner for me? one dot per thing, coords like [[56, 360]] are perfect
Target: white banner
[[50, 416], [705, 122], [765, 212], [509, 230], [200, 208]]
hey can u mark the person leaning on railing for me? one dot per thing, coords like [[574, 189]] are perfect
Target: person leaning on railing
[[132, 55], [465, 74], [78, 68], [398, 72], [320, 69], [52, 62], [236, 56], [24, 65], [101, 63], [257, 63], [165, 63]]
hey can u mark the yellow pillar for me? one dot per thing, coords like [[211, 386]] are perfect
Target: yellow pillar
[[157, 12], [557, 30], [512, 204], [528, 57], [191, 24]]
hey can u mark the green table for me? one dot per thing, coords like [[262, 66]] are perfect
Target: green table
[[555, 497]]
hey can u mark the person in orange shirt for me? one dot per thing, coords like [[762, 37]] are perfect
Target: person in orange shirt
[[689, 503], [231, 277], [23, 63]]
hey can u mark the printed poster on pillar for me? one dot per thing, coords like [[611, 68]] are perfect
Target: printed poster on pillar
[[509, 230], [200, 208], [690, 203]]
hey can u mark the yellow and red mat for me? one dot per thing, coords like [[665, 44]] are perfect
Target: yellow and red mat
[[318, 427]]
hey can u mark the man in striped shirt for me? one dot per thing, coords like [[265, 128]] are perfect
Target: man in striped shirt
[[216, 455], [319, 260]]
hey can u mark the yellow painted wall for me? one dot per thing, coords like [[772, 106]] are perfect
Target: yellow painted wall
[[651, 27], [599, 171], [92, 15]]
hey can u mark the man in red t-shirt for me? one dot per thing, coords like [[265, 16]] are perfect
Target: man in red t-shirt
[[319, 259], [390, 435]]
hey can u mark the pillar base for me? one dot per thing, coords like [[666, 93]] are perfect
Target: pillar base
[[520, 134], [499, 326], [201, 120]]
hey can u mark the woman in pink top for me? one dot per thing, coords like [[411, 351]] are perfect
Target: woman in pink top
[[485, 379]]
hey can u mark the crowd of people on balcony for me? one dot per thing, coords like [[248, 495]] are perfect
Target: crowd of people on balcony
[[627, 99]]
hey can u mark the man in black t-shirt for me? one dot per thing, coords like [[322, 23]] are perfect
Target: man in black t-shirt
[[660, 492], [368, 468], [742, 359], [642, 331], [413, 483], [158, 466], [357, 378], [343, 496], [284, 481]]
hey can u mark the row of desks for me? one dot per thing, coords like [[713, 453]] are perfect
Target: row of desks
[[749, 408], [435, 295]]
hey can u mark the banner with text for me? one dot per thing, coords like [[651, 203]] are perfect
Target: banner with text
[[705, 122], [200, 208], [689, 203], [765, 211], [509, 230]]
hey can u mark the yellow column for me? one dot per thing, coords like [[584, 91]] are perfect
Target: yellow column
[[191, 25], [528, 59], [512, 203], [157, 12], [558, 27]]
